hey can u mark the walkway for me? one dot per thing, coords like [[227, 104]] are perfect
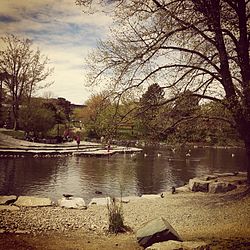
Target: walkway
[[10, 146]]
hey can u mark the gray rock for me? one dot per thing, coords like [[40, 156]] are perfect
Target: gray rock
[[30, 201], [174, 245], [8, 199], [198, 185], [73, 202], [9, 208], [221, 187], [154, 231]]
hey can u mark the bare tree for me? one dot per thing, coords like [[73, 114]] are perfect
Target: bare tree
[[27, 69], [196, 45]]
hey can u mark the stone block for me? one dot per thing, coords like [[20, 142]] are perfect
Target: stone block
[[30, 201]]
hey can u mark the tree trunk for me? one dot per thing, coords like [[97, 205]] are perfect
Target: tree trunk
[[247, 145], [16, 117]]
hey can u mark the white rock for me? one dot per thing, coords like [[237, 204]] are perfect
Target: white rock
[[7, 198], [128, 199], [9, 208], [173, 245], [30, 201], [182, 189], [100, 201], [151, 196], [73, 202]]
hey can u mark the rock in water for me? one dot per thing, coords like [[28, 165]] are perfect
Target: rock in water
[[154, 231]]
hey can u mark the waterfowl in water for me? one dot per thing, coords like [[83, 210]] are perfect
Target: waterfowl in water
[[98, 192], [68, 196]]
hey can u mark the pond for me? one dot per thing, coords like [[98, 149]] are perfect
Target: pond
[[154, 170]]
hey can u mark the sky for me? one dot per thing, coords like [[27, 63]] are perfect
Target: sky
[[62, 32]]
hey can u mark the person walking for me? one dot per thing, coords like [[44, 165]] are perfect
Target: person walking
[[78, 139]]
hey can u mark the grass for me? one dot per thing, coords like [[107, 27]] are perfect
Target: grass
[[115, 214], [15, 134]]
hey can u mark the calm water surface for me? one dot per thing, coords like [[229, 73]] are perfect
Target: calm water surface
[[134, 175]]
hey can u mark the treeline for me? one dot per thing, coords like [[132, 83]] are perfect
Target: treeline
[[153, 117]]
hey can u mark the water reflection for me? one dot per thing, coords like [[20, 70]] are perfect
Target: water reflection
[[83, 176]]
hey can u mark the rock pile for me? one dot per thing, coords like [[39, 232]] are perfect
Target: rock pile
[[217, 183]]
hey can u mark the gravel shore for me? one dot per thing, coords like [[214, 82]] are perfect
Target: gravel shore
[[192, 215]]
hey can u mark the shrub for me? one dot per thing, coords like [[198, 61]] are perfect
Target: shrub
[[115, 215]]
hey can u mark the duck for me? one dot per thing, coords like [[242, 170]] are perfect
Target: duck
[[98, 192], [68, 196]]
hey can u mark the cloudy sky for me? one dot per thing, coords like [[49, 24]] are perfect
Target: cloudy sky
[[63, 32]]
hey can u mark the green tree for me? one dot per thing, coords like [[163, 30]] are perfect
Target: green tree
[[97, 115], [27, 68], [151, 112], [36, 118], [199, 45]]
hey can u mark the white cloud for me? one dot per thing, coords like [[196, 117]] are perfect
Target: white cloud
[[63, 32]]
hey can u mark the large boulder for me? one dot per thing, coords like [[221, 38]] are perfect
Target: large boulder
[[154, 231], [30, 201], [72, 202], [221, 187], [186, 245], [8, 199], [198, 185]]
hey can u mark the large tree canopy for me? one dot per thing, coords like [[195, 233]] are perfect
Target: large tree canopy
[[196, 45], [26, 68]]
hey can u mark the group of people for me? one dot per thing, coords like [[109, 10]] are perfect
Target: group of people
[[68, 137]]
